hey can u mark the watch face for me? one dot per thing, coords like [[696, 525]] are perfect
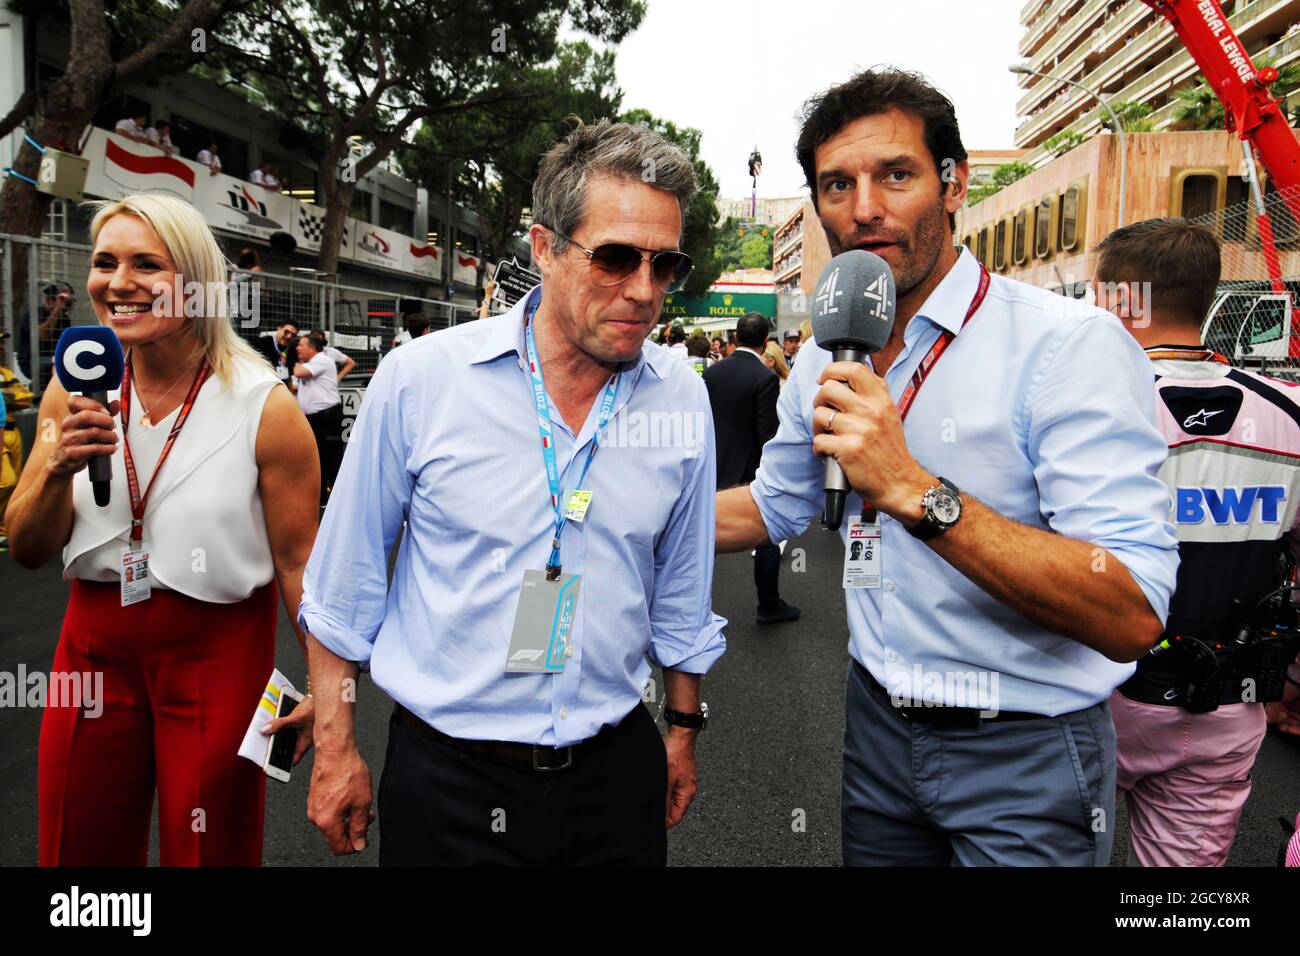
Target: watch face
[[946, 507]]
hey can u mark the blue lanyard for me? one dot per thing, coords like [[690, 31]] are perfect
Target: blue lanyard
[[548, 443]]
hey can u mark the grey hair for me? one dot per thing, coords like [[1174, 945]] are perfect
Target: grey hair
[[625, 151]]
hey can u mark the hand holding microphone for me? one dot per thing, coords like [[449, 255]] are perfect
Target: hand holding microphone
[[88, 360], [852, 317]]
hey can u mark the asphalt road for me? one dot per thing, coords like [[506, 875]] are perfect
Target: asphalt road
[[770, 758]]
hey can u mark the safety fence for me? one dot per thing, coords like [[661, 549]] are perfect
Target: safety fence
[[362, 323]]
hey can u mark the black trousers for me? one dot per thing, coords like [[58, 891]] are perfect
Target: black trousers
[[327, 427], [442, 806], [767, 574]]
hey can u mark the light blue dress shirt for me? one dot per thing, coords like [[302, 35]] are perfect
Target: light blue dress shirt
[[1043, 409], [447, 440]]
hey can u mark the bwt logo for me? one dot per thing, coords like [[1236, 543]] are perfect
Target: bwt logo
[[1231, 505]]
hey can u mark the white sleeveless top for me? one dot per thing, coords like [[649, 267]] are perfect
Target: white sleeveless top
[[204, 526]]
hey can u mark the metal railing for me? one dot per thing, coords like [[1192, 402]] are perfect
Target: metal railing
[[360, 322]]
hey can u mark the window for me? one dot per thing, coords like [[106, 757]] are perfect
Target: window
[[1020, 237], [969, 241], [1200, 195], [1237, 214], [1000, 246], [983, 251], [1044, 231], [394, 217], [1267, 320], [1073, 204]]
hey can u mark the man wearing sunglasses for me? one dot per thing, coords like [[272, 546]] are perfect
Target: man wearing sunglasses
[[987, 625], [559, 542]]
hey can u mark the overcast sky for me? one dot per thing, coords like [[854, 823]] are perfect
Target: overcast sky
[[702, 63]]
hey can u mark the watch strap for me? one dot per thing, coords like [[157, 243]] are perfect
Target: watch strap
[[928, 528], [677, 718]]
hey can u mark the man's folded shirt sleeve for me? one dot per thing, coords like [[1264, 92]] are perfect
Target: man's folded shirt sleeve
[[345, 585], [685, 634], [788, 486], [1097, 453]]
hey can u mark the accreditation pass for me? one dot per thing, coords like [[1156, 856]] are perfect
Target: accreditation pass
[[862, 553]]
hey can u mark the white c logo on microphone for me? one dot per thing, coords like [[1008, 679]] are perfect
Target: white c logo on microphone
[[72, 355]]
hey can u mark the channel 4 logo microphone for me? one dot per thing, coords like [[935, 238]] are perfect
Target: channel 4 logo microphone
[[88, 361]]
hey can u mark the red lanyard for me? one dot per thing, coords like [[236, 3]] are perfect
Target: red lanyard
[[929, 362], [138, 502], [936, 351]]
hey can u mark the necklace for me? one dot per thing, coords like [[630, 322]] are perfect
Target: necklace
[[145, 420]]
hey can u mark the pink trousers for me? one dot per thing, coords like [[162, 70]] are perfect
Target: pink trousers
[[1185, 778]]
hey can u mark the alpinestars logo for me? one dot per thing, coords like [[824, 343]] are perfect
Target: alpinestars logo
[[1200, 418]]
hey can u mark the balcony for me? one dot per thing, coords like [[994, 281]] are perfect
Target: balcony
[[1028, 8], [1050, 17], [1180, 61], [1281, 53], [786, 244], [1109, 33]]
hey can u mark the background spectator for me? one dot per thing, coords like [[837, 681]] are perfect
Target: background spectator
[[264, 176], [160, 134], [13, 396], [774, 356], [697, 347], [132, 127], [317, 387], [677, 342], [209, 158], [53, 316]]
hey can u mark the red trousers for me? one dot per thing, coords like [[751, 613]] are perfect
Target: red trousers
[[181, 681]]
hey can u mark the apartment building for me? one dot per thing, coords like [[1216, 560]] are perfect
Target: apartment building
[[1127, 52]]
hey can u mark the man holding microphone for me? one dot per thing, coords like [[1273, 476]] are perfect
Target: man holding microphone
[[536, 580], [1022, 554]]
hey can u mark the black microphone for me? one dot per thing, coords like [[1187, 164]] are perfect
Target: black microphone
[[89, 360], [852, 317]]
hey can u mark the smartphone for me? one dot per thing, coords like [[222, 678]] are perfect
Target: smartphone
[[279, 750]]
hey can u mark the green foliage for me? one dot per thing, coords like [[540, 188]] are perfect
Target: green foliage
[[1199, 107], [492, 153], [367, 74], [752, 250], [1061, 143], [1133, 117], [1003, 176], [1008, 173], [702, 231]]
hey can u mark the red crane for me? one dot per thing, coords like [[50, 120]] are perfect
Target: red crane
[[1250, 111]]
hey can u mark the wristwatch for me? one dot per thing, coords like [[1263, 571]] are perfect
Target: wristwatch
[[942, 509], [677, 718]]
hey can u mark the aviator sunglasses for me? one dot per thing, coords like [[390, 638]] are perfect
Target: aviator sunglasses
[[613, 263]]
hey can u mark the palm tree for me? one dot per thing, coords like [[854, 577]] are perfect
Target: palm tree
[[1200, 108], [1133, 117]]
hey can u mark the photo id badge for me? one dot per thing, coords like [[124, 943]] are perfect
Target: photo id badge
[[136, 581], [576, 510], [862, 553], [539, 640]]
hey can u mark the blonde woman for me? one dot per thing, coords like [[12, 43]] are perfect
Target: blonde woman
[[774, 357], [229, 511]]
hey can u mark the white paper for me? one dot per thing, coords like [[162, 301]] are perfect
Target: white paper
[[256, 745]]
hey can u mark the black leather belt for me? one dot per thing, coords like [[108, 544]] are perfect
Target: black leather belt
[[528, 756], [920, 713]]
